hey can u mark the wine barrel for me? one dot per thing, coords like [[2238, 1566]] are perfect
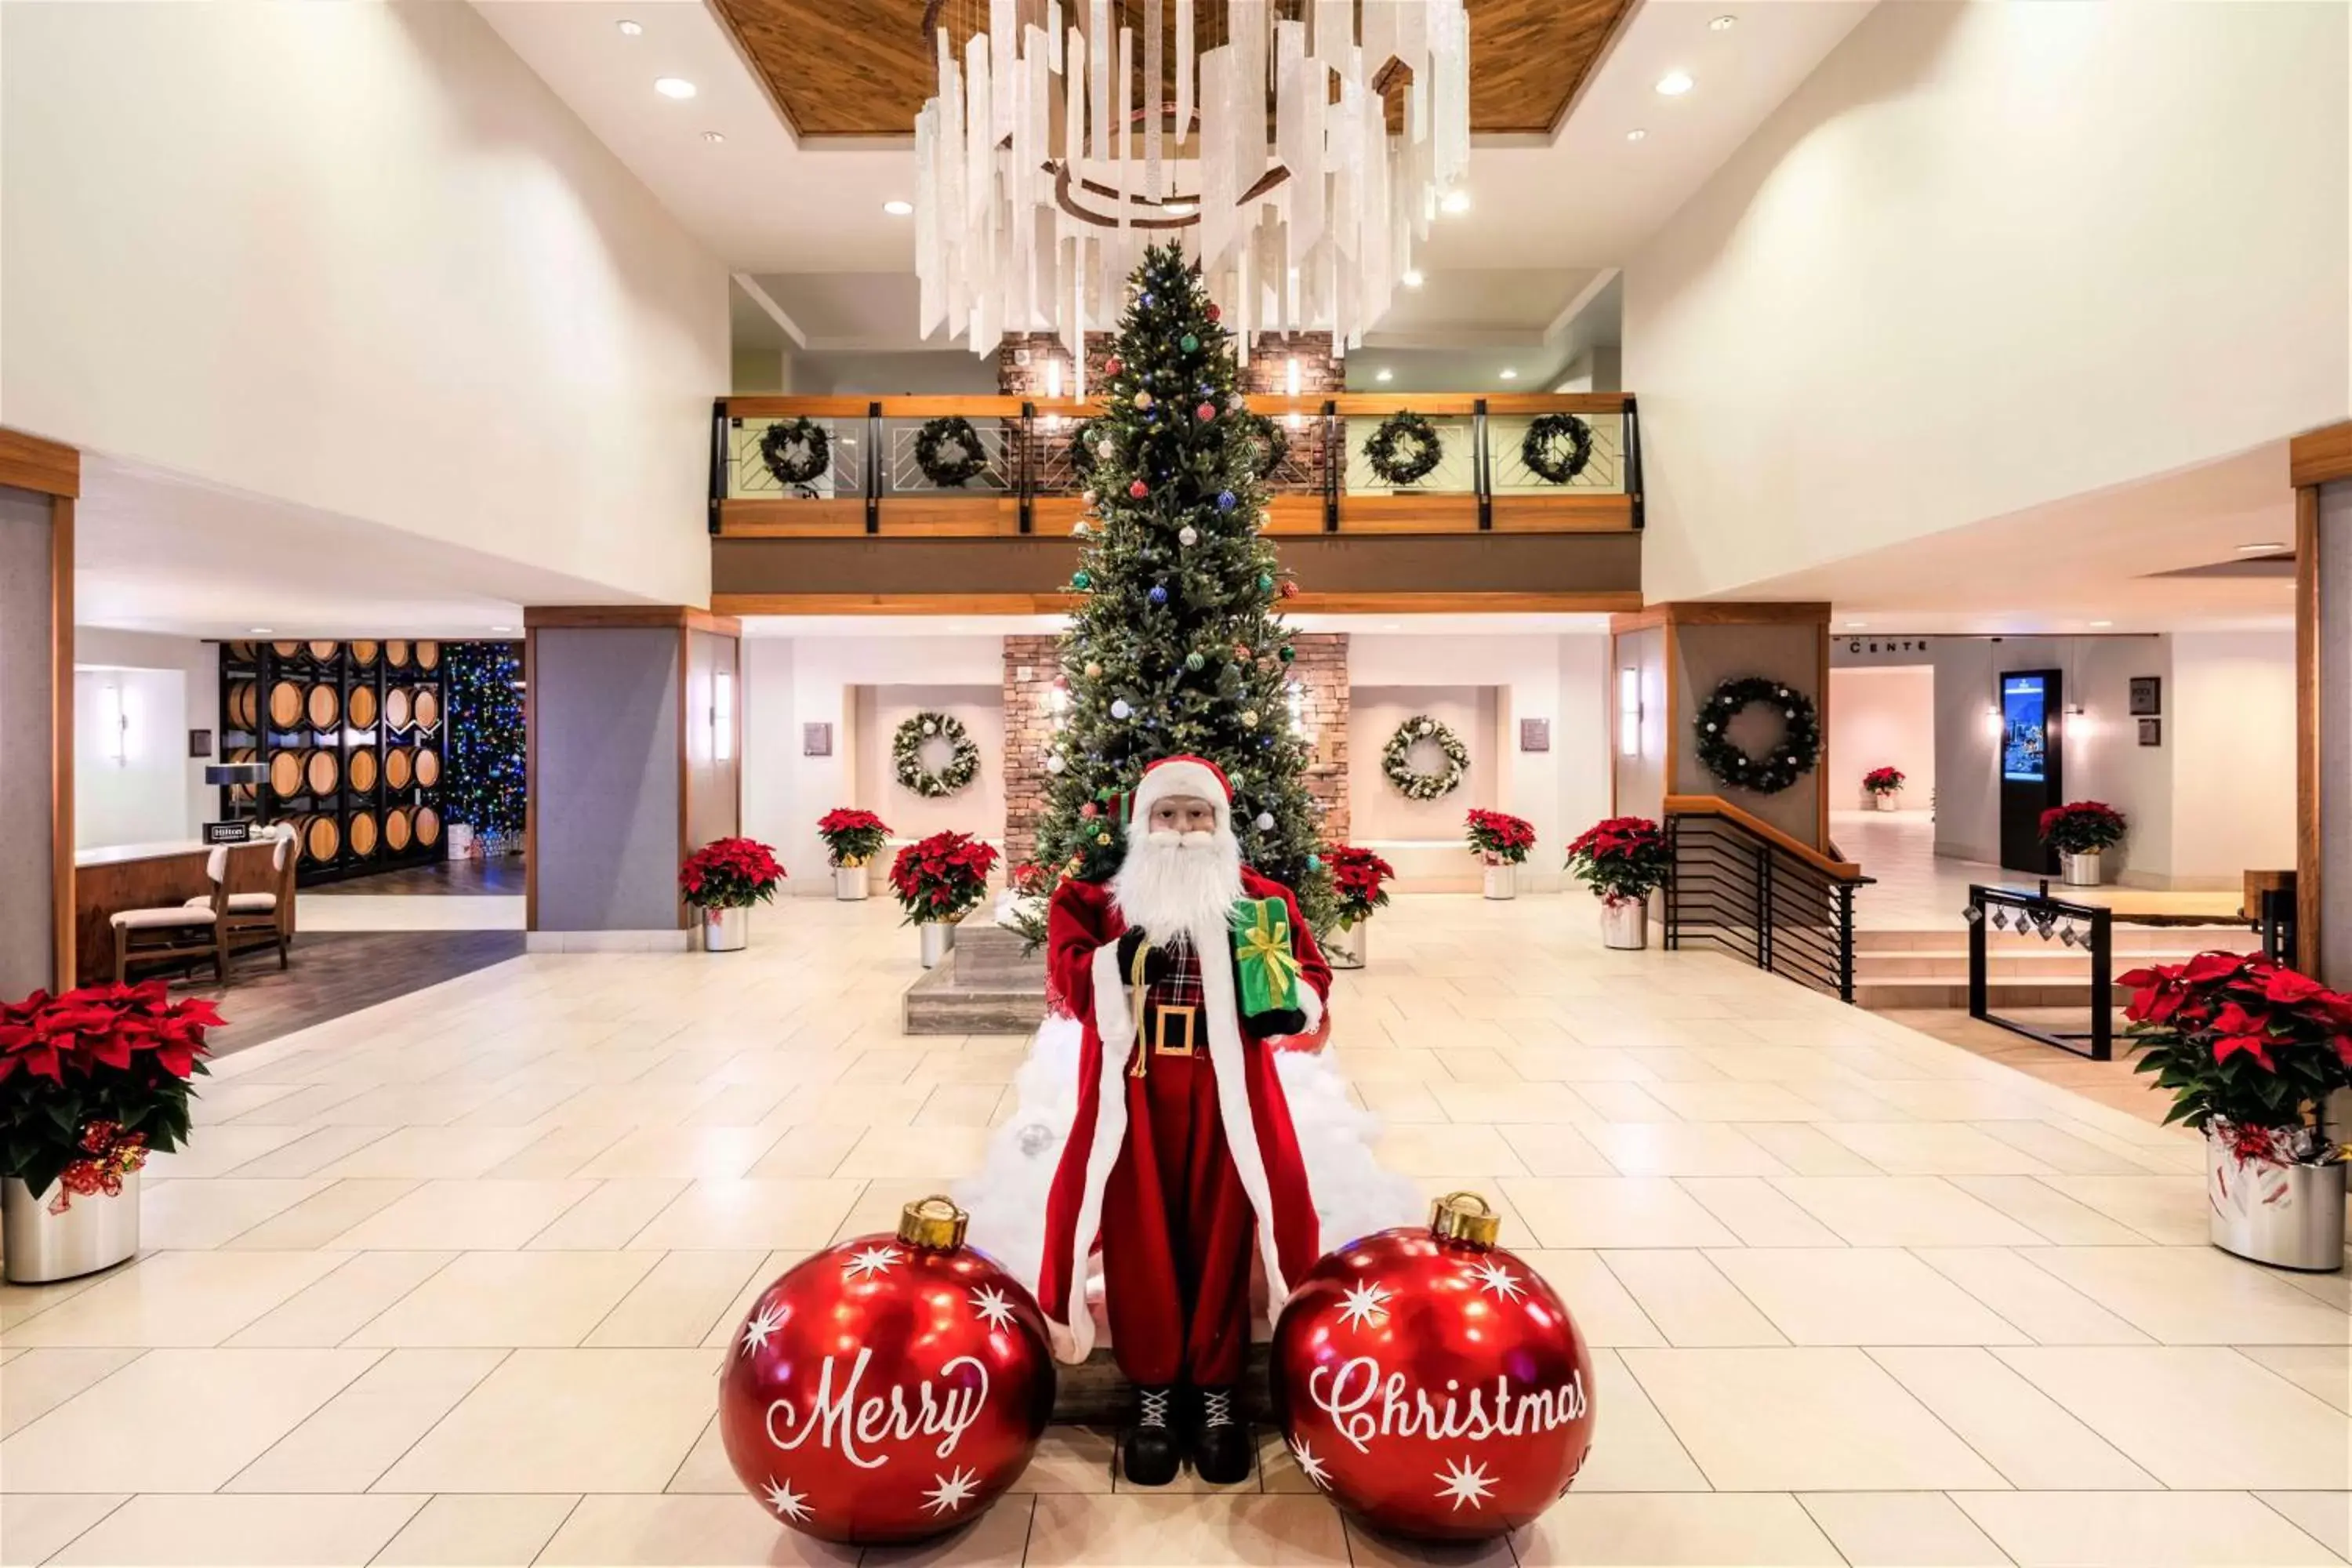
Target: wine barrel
[[243, 791], [426, 706], [285, 704], [428, 766], [360, 771], [360, 833], [325, 704], [287, 649], [361, 709], [241, 710], [396, 830], [428, 827], [428, 656], [242, 649], [285, 774], [395, 707], [395, 653], [363, 653], [399, 767], [322, 770], [321, 838], [320, 652]]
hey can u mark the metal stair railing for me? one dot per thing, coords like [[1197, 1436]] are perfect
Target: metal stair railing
[[1743, 888]]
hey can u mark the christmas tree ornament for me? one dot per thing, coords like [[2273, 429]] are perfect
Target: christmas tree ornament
[[1249, 717], [1431, 1382], [1082, 580], [1189, 343], [1142, 400], [1119, 708], [1158, 595], [1091, 811], [1106, 449], [1094, 670], [1103, 838], [1188, 535], [1265, 582], [1088, 496], [1227, 501], [1139, 489], [1055, 764], [1241, 652], [1289, 588], [1287, 653], [1112, 365], [1193, 661], [1265, 822], [1215, 315], [1078, 528], [888, 1389], [1206, 412]]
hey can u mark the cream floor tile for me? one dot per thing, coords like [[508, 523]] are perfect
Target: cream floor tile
[[509, 1298], [609, 1216], [853, 1105], [1902, 1211], [2167, 1209], [1841, 1422], [2140, 1529], [1757, 1213], [893, 1152], [33, 1526], [315, 1221], [1634, 1450], [1500, 1103], [1805, 1149], [243, 1532], [1555, 1150], [331, 1310], [706, 1467], [455, 1530], [1616, 1101], [177, 1299], [2020, 1431], [2049, 1213], [466, 1215], [807, 1151], [1681, 1149], [2323, 1370], [314, 1150], [1612, 1211], [1700, 1530], [1432, 1149], [678, 1300], [1363, 1066], [717, 1153], [2326, 1517], [1689, 1300], [38, 1380], [1901, 1530], [768, 1269], [1080, 1459], [2195, 1417], [1477, 1064], [1371, 1549], [20, 1303], [2042, 1306], [1860, 1296], [354, 1436], [1935, 1149], [424, 1153], [1733, 1101], [556, 1152], [1144, 1531], [175, 1420], [2061, 1150], [963, 1104], [2192, 1295], [217, 1151], [601, 1421], [209, 1212], [1604, 1310], [1576, 1064], [1398, 1103], [700, 1531], [740, 1215]]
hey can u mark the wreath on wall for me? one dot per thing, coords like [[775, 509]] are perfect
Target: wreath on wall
[[1418, 785], [796, 451], [937, 438], [1404, 450], [906, 755], [1801, 737], [1557, 448], [1273, 446]]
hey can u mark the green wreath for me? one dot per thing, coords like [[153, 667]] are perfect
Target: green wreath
[[796, 450], [1801, 738], [1404, 450], [1424, 786], [906, 755], [1540, 449], [950, 431], [1272, 445]]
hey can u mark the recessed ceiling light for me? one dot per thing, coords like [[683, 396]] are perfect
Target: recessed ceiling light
[[679, 88], [2264, 548], [1412, 278], [1635, 134], [1384, 373], [1723, 24], [630, 30], [1673, 84], [1456, 201], [2097, 625], [1510, 374], [502, 628], [714, 137], [1855, 626], [899, 209], [261, 631]]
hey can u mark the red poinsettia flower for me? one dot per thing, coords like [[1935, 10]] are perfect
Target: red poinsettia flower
[[2243, 1042], [941, 877], [729, 873]]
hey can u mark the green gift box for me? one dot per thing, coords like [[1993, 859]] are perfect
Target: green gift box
[[1261, 956]]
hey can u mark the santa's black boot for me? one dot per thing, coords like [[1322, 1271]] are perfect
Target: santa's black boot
[[1221, 1446], [1152, 1455]]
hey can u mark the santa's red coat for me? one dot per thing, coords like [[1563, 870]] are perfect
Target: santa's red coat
[[1083, 929]]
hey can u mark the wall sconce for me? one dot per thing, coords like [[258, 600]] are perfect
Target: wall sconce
[[1629, 712], [1992, 725], [1290, 380], [1053, 391], [1057, 703], [722, 714], [2078, 722], [115, 725]]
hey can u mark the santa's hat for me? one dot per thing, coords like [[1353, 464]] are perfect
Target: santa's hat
[[1192, 778]]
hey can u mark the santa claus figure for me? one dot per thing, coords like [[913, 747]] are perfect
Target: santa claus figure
[[1181, 1162]]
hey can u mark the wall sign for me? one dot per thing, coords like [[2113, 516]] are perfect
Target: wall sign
[[229, 832], [1535, 734], [2151, 731], [816, 740], [2147, 696], [200, 742]]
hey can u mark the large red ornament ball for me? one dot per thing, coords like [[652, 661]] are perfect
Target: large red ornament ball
[[1215, 314], [887, 1389], [1289, 590], [1433, 1382], [1206, 412], [1139, 489], [1112, 366]]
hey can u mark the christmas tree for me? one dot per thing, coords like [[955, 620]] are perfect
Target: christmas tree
[[483, 785], [1176, 646]]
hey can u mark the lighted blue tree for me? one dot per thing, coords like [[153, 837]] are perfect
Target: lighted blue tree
[[484, 786]]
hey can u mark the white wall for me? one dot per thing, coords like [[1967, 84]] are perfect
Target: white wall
[[979, 806], [1377, 809], [2230, 714], [171, 685], [360, 257], [1881, 718], [1985, 256]]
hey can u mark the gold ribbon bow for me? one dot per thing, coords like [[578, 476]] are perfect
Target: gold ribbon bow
[[1266, 940]]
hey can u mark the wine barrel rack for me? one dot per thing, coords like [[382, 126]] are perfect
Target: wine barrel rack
[[327, 719]]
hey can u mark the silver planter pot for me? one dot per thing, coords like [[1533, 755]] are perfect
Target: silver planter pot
[[1502, 880], [94, 1232], [1343, 946], [1890, 801], [849, 883], [1625, 923], [726, 931], [2081, 870], [2289, 1216], [938, 938]]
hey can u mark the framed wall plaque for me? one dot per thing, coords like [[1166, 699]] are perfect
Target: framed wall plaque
[[1535, 734], [2151, 731], [200, 742], [816, 740], [2147, 696]]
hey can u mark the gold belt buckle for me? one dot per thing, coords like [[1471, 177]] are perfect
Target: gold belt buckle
[[1188, 1014]]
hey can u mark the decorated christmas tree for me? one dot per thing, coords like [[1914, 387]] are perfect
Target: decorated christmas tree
[[483, 786], [1176, 646]]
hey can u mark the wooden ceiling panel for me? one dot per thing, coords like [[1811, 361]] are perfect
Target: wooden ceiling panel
[[863, 68]]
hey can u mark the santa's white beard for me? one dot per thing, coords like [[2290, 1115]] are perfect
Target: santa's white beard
[[1172, 882]]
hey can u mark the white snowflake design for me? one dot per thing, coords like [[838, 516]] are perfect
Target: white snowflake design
[[1494, 1278], [762, 1324], [1308, 1465], [993, 1308], [952, 1492], [788, 1503], [1465, 1481], [873, 1260], [1366, 1303]]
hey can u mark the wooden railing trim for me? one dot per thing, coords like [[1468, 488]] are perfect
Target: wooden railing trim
[[1715, 805]]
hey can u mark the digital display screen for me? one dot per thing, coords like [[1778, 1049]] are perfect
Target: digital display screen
[[2024, 728]]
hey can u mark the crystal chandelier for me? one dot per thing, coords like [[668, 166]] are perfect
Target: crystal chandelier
[[1062, 143]]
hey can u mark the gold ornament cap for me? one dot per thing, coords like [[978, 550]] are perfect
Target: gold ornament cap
[[934, 1222], [1465, 1217]]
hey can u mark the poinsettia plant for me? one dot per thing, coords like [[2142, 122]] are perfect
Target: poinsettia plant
[[1024, 907], [1882, 780], [729, 874], [852, 836], [1358, 879], [2250, 1049], [1621, 857], [2083, 827], [93, 1081], [1500, 837], [939, 877]]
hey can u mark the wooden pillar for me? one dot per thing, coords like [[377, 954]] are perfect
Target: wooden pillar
[[2319, 467], [36, 625]]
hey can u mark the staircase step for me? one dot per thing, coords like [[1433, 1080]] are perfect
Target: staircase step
[[2180, 940], [2001, 995]]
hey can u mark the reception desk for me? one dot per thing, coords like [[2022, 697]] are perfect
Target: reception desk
[[109, 877]]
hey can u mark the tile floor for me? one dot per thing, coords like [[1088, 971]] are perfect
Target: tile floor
[[444, 1282], [1916, 890]]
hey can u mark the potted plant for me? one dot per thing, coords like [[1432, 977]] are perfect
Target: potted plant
[[2079, 830], [1502, 841], [2251, 1052], [852, 837], [723, 880], [92, 1083], [1357, 885], [937, 880], [1623, 859], [1024, 907], [1881, 785]]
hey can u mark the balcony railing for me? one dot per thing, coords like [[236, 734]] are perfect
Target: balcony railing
[[1029, 471]]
